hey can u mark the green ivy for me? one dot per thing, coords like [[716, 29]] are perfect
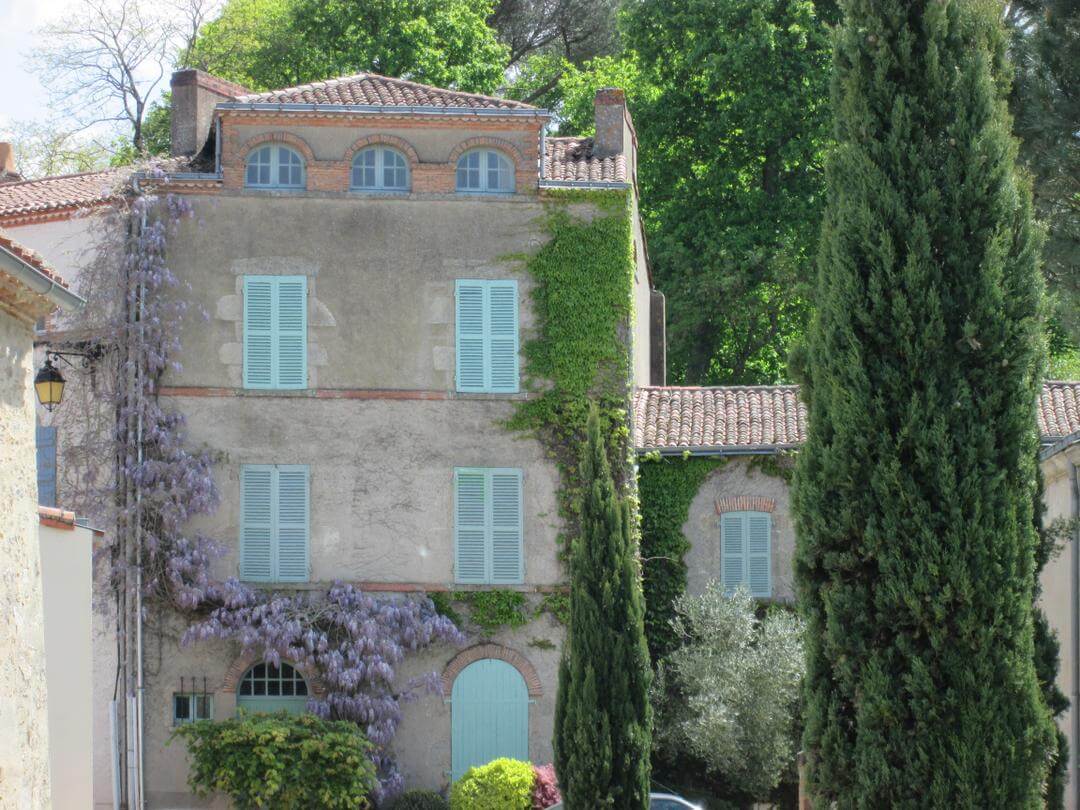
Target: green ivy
[[492, 610], [558, 605], [780, 466], [444, 606], [582, 301], [666, 487]]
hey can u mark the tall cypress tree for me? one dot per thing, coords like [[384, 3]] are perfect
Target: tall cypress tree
[[602, 714], [914, 492]]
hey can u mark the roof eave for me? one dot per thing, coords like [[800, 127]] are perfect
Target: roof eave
[[386, 109], [722, 450], [39, 282], [1057, 445]]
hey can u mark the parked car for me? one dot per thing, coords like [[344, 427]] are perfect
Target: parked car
[[658, 801]]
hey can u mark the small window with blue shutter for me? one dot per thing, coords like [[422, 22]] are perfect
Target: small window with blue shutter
[[486, 326], [488, 534], [275, 332], [46, 465], [274, 522], [746, 552]]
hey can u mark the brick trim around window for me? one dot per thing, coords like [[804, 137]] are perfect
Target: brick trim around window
[[745, 503], [379, 139], [316, 688], [497, 651]]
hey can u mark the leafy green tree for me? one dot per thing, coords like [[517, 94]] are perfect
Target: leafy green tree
[[914, 491], [727, 695], [277, 43], [1046, 104], [602, 712], [732, 143]]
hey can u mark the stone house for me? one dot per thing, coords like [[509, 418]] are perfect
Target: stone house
[[29, 290], [353, 246]]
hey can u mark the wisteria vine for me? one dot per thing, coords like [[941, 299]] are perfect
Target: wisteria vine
[[353, 641]]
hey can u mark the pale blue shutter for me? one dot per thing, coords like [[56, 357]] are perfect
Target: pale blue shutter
[[256, 522], [471, 336], [258, 332], [489, 716], [292, 523], [46, 465], [732, 550], [507, 562], [470, 530], [758, 562], [291, 332], [503, 336]]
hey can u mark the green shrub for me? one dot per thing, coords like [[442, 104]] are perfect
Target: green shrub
[[419, 800], [281, 761], [502, 784]]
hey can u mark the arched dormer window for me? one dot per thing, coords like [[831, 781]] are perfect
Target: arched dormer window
[[379, 168], [269, 688], [485, 171], [274, 166]]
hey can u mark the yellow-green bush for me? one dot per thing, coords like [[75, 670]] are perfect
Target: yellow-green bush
[[502, 784]]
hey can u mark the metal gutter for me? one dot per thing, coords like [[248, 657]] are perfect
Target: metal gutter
[[39, 282], [594, 184], [384, 109], [1053, 448]]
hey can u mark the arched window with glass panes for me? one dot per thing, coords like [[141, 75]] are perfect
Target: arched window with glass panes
[[485, 171], [269, 688], [274, 166], [379, 168]]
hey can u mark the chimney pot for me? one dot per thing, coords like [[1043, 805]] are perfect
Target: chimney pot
[[610, 110], [8, 172], [194, 96]]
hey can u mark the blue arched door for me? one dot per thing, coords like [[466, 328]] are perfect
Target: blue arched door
[[489, 711]]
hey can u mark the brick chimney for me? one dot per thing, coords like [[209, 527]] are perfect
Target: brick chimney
[[611, 122], [8, 172], [194, 96]]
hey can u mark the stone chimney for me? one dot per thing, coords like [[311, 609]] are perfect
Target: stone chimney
[[611, 122], [8, 172], [194, 96]]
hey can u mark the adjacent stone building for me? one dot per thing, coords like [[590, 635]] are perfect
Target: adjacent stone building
[[29, 290]]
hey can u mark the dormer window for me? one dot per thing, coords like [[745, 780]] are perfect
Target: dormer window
[[379, 168], [485, 171], [274, 167]]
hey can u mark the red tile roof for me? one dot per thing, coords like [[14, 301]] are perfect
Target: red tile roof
[[773, 417], [62, 191], [29, 257], [371, 89], [572, 159]]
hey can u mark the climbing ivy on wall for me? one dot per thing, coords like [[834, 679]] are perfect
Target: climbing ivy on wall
[[666, 487], [582, 302]]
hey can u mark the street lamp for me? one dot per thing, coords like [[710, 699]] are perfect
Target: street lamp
[[49, 384]]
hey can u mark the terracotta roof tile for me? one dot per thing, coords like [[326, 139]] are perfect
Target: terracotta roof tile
[[572, 159], [671, 418], [1059, 409], [371, 89], [29, 257], [62, 191]]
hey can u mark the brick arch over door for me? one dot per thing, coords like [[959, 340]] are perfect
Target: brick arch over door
[[498, 144], [240, 666], [393, 141], [483, 651]]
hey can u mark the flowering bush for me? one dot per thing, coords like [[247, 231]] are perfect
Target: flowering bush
[[281, 761], [545, 787], [502, 784]]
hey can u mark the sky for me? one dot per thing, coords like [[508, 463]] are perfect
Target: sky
[[21, 95]]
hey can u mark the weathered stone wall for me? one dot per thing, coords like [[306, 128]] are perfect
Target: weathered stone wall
[[24, 753]]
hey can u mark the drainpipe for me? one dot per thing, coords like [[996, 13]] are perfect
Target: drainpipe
[[1074, 754]]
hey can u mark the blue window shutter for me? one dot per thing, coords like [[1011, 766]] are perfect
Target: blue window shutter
[[507, 563], [470, 526], [292, 523], [470, 327], [489, 715], [503, 335], [258, 332], [256, 522], [290, 348], [46, 465], [758, 553], [732, 550]]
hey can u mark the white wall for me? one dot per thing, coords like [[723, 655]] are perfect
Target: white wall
[[66, 555]]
